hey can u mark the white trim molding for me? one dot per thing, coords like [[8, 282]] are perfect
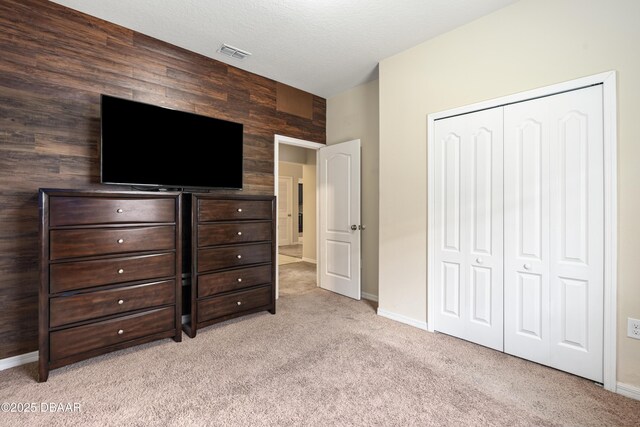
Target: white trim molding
[[628, 391], [402, 319], [21, 359], [309, 260], [608, 82], [368, 296]]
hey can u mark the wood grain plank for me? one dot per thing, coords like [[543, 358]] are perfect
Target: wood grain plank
[[55, 64]]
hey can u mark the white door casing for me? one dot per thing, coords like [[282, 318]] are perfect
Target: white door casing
[[468, 227], [339, 218], [285, 209], [554, 231]]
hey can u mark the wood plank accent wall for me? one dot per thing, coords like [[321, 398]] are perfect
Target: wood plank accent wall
[[54, 63]]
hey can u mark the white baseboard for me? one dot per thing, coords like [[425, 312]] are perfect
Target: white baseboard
[[402, 319], [312, 261], [628, 390], [368, 296], [21, 359]]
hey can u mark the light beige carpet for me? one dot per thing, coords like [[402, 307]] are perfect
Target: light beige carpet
[[322, 360]]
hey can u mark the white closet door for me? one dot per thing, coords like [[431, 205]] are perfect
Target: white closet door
[[468, 224], [553, 218]]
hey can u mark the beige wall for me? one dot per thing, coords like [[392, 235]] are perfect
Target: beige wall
[[352, 115], [309, 209], [293, 170], [292, 154], [530, 44]]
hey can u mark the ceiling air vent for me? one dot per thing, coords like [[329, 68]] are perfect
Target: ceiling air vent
[[233, 52]]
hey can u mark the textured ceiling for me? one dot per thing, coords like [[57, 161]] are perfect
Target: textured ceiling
[[320, 46]]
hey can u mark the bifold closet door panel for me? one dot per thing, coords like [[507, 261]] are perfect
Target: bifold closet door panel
[[554, 224], [468, 227]]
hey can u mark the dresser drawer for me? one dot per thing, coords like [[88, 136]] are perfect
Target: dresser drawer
[[81, 339], [100, 241], [64, 310], [83, 274], [233, 303], [236, 232], [220, 210], [98, 210], [224, 281], [233, 256]]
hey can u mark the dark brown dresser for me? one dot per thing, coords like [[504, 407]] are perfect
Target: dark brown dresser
[[110, 272], [233, 258]]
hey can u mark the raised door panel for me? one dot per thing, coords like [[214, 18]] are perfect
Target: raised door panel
[[338, 245], [526, 231], [554, 231], [339, 192], [450, 302], [483, 236], [450, 268], [577, 232], [468, 227], [451, 193]]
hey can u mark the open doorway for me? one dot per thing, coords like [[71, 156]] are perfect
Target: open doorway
[[295, 172]]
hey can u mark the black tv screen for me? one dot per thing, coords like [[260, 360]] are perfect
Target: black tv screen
[[147, 145]]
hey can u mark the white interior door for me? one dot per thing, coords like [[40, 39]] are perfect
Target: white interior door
[[554, 231], [468, 227], [339, 200], [285, 209]]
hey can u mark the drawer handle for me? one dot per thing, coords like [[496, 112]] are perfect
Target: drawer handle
[[239, 303], [239, 256], [121, 271], [239, 279], [239, 233], [527, 266], [118, 210], [120, 241], [239, 209], [120, 301], [120, 331]]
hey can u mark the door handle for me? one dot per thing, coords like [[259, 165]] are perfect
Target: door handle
[[362, 227], [354, 227]]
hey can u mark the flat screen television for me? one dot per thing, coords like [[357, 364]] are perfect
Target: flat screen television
[[151, 146]]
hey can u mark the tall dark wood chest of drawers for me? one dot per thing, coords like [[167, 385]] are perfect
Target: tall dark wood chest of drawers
[[110, 272], [233, 258]]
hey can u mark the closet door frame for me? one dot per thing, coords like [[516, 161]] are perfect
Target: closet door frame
[[608, 82]]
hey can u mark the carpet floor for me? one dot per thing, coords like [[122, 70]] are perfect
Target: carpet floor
[[322, 360]]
